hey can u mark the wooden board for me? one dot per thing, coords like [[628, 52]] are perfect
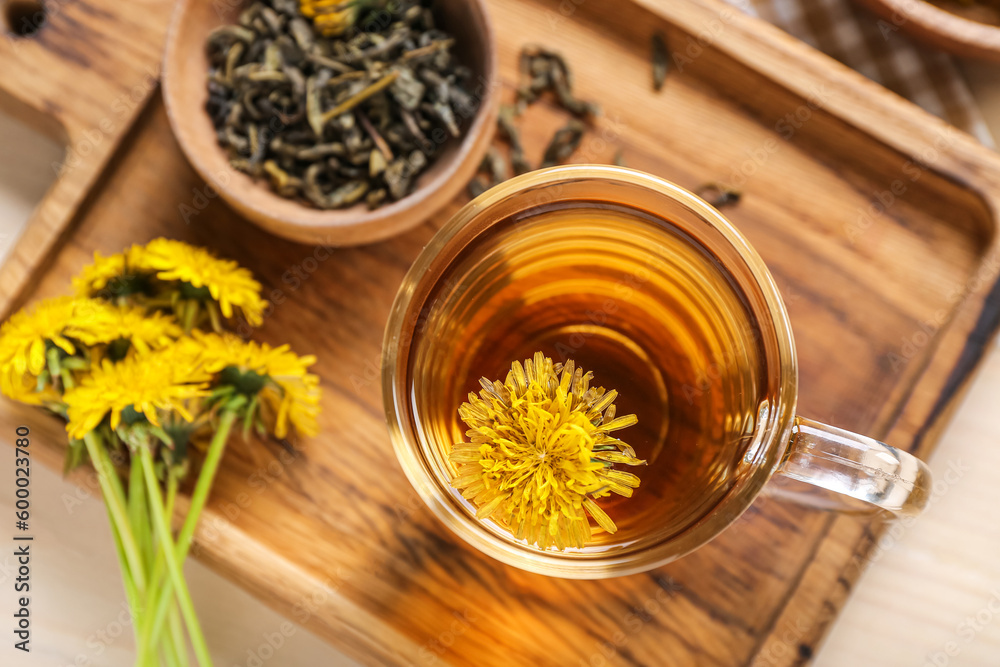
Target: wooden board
[[891, 311], [83, 77]]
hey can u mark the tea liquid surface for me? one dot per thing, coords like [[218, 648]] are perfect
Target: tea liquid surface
[[636, 301]]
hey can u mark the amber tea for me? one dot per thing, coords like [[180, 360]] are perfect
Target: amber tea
[[660, 296], [632, 298]]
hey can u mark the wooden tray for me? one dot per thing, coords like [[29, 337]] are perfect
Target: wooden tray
[[891, 312]]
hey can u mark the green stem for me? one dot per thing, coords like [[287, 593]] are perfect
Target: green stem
[[173, 567], [205, 480], [171, 646], [156, 589], [159, 594], [176, 637], [130, 593], [198, 499], [167, 655], [171, 493], [138, 516], [190, 310], [114, 498], [159, 599]]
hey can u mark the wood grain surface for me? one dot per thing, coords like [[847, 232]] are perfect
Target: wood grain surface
[[83, 77], [877, 221]]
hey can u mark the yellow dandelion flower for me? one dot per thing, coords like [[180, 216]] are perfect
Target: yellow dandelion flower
[[188, 353], [227, 282], [292, 395], [66, 323], [24, 389], [297, 403], [540, 452], [108, 272], [146, 331], [60, 322], [331, 17], [149, 384]]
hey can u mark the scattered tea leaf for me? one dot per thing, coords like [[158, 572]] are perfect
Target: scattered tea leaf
[[495, 165], [508, 130], [718, 195], [541, 70], [477, 186], [661, 61], [563, 144]]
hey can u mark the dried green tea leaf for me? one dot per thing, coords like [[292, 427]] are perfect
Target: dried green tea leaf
[[563, 143], [718, 195], [661, 61], [323, 98]]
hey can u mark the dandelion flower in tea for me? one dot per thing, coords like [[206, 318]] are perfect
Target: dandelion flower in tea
[[540, 453]]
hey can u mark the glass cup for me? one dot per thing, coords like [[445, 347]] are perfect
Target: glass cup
[[653, 289]]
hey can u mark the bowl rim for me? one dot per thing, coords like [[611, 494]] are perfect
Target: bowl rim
[[944, 29], [293, 214]]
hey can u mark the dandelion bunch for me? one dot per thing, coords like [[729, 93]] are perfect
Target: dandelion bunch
[[140, 364], [540, 453]]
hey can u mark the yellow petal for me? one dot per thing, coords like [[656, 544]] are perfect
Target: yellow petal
[[488, 509], [36, 358], [622, 422], [600, 516]]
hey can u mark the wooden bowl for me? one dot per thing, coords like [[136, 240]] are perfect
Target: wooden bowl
[[185, 72], [939, 27]]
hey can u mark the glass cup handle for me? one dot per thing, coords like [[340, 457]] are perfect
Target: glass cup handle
[[851, 466]]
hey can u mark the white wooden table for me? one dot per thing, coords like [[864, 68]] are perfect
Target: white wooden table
[[930, 598]]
